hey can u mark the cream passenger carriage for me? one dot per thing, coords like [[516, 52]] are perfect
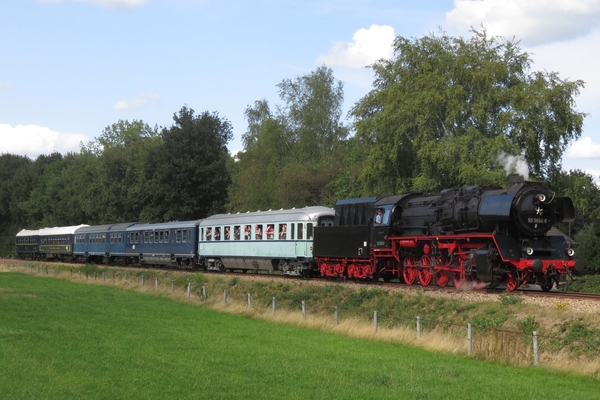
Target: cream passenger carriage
[[264, 240]]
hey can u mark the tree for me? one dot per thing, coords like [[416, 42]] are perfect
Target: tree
[[444, 108], [294, 153], [122, 187], [188, 173]]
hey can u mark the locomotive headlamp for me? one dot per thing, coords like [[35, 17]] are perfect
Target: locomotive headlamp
[[570, 252], [529, 251], [541, 197]]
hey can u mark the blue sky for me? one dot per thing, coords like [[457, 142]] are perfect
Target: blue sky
[[69, 68]]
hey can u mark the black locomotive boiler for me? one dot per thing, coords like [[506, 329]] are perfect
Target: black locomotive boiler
[[473, 236]]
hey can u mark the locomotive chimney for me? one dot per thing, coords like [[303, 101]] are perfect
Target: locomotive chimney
[[513, 179]]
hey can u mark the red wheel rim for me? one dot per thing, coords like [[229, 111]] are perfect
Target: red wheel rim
[[459, 279], [424, 272], [408, 272], [511, 281], [442, 278]]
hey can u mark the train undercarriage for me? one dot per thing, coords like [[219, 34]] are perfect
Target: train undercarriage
[[472, 262]]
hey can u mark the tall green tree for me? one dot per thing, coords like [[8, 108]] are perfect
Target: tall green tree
[[295, 152], [188, 174], [444, 108]]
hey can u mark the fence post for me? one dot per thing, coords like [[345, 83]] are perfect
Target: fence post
[[71, 271], [46, 270], [172, 286], [375, 321], [249, 300], [303, 309], [469, 338], [126, 277], [224, 296], [418, 327], [86, 275], [142, 280], [103, 278], [204, 292], [274, 306], [156, 282], [79, 273], [188, 289], [337, 316], [53, 271], [536, 354], [94, 275]]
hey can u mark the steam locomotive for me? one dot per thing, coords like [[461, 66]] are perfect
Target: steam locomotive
[[472, 236]]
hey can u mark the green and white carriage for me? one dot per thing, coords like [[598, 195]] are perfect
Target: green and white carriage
[[263, 240]]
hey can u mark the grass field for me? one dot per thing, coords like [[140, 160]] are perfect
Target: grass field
[[60, 339]]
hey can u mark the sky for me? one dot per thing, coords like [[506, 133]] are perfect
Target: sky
[[70, 68]]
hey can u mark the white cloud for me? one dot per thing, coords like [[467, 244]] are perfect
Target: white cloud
[[119, 4], [136, 103], [533, 22], [584, 148], [5, 87], [367, 46], [33, 140]]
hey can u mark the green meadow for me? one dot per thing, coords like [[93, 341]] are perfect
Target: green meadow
[[64, 340]]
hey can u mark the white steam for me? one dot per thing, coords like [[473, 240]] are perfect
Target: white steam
[[514, 164]]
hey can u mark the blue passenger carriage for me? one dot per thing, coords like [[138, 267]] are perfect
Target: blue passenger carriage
[[264, 240], [170, 244], [28, 244], [102, 243]]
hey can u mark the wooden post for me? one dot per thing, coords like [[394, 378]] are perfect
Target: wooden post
[[188, 289], [103, 277], [375, 321], [156, 282], [249, 300], [224, 296], [536, 354], [337, 316], [172, 286], [418, 327], [469, 338], [273, 301], [142, 280], [303, 309]]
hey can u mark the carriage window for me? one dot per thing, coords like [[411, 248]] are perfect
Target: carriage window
[[270, 231], [292, 227], [236, 232], [178, 236], [146, 235], [161, 237], [247, 232], [227, 233], [185, 236], [258, 232], [137, 237], [166, 236], [309, 231], [300, 231], [217, 234], [189, 235], [282, 231], [208, 233]]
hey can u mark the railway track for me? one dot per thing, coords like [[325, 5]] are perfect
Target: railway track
[[533, 292]]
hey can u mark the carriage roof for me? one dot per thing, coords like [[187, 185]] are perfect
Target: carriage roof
[[295, 214], [60, 230]]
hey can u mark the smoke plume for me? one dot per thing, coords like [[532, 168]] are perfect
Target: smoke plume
[[514, 164]]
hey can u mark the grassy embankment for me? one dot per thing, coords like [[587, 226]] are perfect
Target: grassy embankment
[[396, 311]]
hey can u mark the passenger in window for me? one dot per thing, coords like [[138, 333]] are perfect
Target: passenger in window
[[236, 232], [247, 232], [270, 232], [258, 232], [282, 231], [208, 233], [226, 233], [217, 233]]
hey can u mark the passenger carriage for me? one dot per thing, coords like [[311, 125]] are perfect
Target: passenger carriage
[[264, 240], [57, 243], [102, 243], [169, 244], [28, 244]]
